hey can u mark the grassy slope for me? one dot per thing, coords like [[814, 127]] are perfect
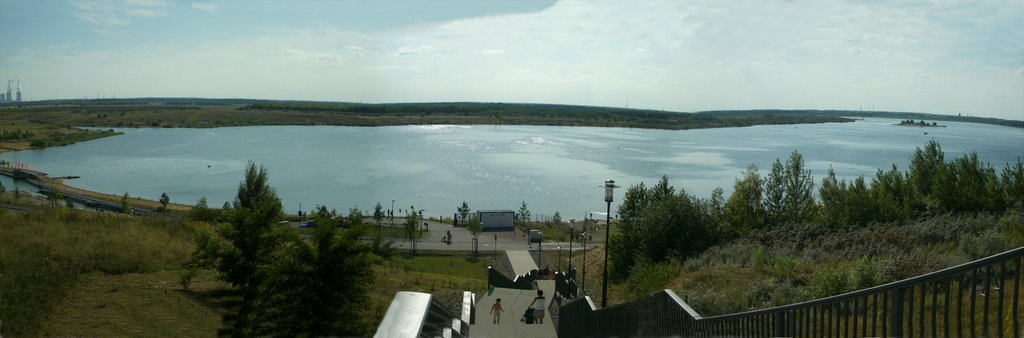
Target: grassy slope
[[43, 254], [138, 305], [66, 273], [790, 265]]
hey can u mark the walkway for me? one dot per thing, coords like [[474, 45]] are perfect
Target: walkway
[[514, 302], [521, 261]]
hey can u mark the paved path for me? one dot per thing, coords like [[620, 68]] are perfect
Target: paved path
[[515, 303], [463, 240], [521, 261]]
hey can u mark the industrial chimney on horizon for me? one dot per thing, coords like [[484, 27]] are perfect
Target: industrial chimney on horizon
[[9, 96], [19, 88]]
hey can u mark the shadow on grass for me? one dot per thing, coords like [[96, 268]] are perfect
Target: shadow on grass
[[223, 301]]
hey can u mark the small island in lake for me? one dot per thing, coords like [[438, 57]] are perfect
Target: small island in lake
[[921, 123]]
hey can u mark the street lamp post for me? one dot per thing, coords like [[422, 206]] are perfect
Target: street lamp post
[[572, 228], [609, 189], [559, 258], [584, 242]]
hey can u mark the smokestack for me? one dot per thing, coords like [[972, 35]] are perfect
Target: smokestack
[[10, 97], [19, 88]]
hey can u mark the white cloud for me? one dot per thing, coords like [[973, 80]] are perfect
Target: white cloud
[[117, 13], [682, 55], [490, 51], [414, 50], [205, 7]]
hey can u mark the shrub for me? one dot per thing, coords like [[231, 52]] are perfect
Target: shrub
[[829, 282], [650, 278]]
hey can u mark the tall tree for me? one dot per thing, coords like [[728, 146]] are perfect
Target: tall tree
[[164, 201], [355, 216], [125, 207], [463, 211], [926, 167], [320, 286], [894, 195], [252, 242], [411, 223], [833, 211], [1012, 182], [745, 210], [378, 213], [623, 246], [523, 216], [775, 195], [475, 228], [799, 202]]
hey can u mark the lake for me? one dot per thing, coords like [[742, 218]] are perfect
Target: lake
[[492, 167]]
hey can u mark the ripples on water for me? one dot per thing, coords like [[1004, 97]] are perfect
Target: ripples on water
[[435, 167]]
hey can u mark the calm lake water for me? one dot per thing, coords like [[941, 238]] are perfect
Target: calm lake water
[[492, 167]]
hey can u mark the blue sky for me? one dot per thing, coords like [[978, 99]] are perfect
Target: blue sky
[[938, 56]]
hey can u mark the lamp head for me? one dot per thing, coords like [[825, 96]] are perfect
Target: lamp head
[[609, 189]]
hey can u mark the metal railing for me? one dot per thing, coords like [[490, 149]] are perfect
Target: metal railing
[[417, 314], [977, 299], [498, 280], [565, 285]]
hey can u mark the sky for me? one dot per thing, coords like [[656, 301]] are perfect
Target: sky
[[931, 56]]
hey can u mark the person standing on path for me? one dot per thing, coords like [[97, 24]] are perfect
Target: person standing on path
[[497, 310], [538, 311]]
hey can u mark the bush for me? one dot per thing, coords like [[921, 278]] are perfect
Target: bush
[[829, 282], [650, 278]]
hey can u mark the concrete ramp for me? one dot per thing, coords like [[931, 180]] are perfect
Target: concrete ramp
[[521, 261]]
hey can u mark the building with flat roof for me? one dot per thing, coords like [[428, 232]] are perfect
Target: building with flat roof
[[496, 220]]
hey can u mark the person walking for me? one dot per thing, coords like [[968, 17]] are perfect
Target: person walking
[[497, 310], [538, 310]]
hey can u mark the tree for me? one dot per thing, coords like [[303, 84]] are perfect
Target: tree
[[523, 216], [925, 167], [202, 212], [164, 201], [251, 241], [125, 207], [378, 213], [411, 223], [894, 195], [1013, 183], [557, 218], [320, 286], [355, 216], [635, 203], [716, 205], [833, 209], [799, 203], [744, 211], [475, 229], [775, 195], [463, 211]]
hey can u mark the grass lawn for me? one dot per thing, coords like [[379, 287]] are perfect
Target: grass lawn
[[139, 305]]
